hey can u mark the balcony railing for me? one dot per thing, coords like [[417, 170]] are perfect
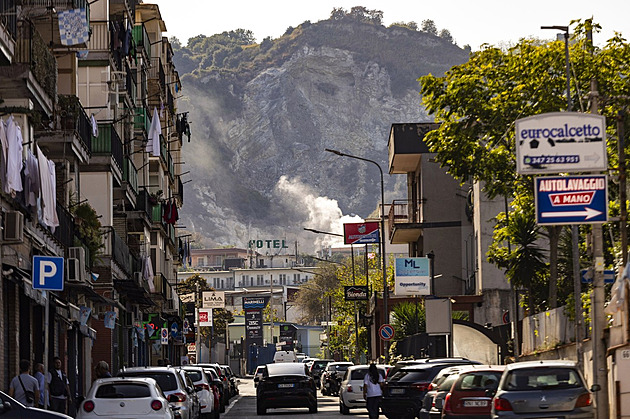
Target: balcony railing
[[141, 37], [170, 101], [8, 17], [130, 175], [180, 189], [163, 151], [156, 214], [64, 232], [130, 83], [143, 203], [399, 213], [74, 118], [156, 71], [161, 285], [57, 4], [115, 247], [141, 120], [31, 49], [108, 143], [99, 39], [171, 167]]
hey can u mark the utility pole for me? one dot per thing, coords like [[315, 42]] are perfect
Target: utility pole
[[600, 375], [623, 212]]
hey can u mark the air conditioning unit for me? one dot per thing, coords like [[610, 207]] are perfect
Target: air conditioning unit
[[78, 253], [13, 226], [73, 270]]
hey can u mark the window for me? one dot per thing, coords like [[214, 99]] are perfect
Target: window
[[166, 380], [542, 378], [222, 285], [283, 279], [123, 391], [260, 280]]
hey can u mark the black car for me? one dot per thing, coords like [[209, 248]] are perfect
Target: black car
[[12, 409], [286, 385], [405, 389], [317, 367]]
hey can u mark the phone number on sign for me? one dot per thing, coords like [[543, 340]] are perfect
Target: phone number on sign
[[534, 161]]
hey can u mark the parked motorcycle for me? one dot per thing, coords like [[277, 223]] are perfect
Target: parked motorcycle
[[331, 382]]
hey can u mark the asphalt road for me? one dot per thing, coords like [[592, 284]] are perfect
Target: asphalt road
[[243, 406]]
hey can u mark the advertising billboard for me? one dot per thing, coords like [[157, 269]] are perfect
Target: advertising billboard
[[361, 233], [412, 276]]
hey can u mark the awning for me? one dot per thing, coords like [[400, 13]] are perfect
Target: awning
[[135, 294], [100, 299]]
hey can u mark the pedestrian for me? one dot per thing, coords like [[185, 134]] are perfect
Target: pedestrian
[[58, 387], [102, 370], [373, 391], [41, 379], [24, 387]]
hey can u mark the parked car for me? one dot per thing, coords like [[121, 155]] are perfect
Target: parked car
[[171, 383], [316, 369], [331, 377], [470, 396], [543, 389], [226, 395], [231, 378], [286, 385], [423, 361], [137, 397], [12, 409], [351, 389], [204, 392], [195, 411], [436, 392], [219, 384], [405, 389], [260, 370]]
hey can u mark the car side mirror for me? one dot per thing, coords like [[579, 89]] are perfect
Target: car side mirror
[[595, 388], [173, 398], [490, 393]]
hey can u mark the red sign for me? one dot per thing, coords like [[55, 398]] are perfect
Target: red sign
[[386, 332], [203, 317], [360, 233]]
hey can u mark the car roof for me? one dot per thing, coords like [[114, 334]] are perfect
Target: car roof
[[541, 364], [341, 363], [354, 367], [147, 368], [146, 380], [286, 368]]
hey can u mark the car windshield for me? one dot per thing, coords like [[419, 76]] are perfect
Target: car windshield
[[288, 368], [318, 365], [194, 375], [123, 391], [542, 378], [166, 380], [411, 375], [478, 381]]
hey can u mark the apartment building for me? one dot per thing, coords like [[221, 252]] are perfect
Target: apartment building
[[83, 100]]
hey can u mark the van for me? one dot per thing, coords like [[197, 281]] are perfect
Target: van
[[284, 356]]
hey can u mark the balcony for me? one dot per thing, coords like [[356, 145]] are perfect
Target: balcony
[[107, 152], [116, 248], [180, 190], [50, 28], [8, 31], [71, 132], [99, 43], [141, 122], [143, 203], [131, 83], [406, 146], [33, 74], [156, 83], [141, 37], [404, 223], [161, 287], [64, 233], [130, 175]]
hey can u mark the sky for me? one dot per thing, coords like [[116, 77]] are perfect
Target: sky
[[470, 22]]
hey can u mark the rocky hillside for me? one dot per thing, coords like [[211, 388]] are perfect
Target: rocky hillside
[[262, 115]]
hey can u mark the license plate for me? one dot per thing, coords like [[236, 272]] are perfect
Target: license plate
[[397, 391], [475, 403], [286, 385]]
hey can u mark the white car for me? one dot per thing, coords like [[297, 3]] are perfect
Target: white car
[[351, 388], [125, 397], [204, 392]]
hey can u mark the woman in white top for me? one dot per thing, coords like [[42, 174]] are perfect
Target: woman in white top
[[373, 391]]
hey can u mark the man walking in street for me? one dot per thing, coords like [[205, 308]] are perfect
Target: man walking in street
[[58, 387], [41, 379], [24, 387]]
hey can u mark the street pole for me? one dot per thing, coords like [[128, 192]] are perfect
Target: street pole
[[382, 241], [600, 375], [623, 211], [46, 345]]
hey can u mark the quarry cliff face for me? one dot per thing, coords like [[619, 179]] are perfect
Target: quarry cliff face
[[261, 170]]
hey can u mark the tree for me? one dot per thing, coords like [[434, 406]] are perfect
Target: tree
[[196, 284], [477, 103], [446, 35], [409, 25], [428, 26]]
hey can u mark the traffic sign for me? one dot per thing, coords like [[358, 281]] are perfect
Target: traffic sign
[[174, 329], [164, 336], [361, 233], [186, 326], [571, 199], [506, 317], [386, 332], [587, 276], [48, 273], [561, 142]]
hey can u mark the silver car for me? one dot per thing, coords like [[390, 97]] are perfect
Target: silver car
[[543, 389]]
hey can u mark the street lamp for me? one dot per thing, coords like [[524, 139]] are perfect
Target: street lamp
[[382, 243]]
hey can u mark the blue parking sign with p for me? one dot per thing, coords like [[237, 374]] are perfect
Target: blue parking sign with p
[[48, 273]]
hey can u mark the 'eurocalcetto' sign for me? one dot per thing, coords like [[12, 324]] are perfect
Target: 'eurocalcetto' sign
[[561, 142], [361, 233], [355, 292], [412, 276]]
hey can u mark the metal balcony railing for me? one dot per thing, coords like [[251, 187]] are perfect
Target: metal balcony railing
[[141, 37], [180, 189], [57, 4], [156, 71], [64, 232], [115, 247], [141, 120], [131, 83], [130, 175], [170, 101], [108, 142], [402, 211], [163, 151], [31, 49], [171, 167], [73, 117], [8, 17], [143, 203]]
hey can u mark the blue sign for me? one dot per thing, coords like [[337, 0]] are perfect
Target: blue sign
[[412, 276], [386, 332], [174, 329], [48, 273], [572, 200], [587, 276]]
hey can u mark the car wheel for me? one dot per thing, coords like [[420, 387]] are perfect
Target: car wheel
[[343, 409], [260, 410], [313, 409]]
